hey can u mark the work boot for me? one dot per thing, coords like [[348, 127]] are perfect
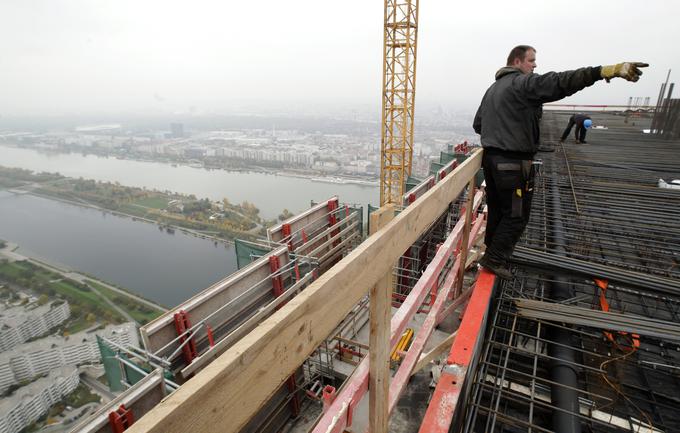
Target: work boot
[[498, 267]]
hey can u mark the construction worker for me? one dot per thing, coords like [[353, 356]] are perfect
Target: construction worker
[[508, 122], [583, 123]]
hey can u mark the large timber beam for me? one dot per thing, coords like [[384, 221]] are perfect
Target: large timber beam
[[229, 391]]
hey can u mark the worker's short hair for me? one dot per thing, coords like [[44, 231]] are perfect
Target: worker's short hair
[[519, 52]]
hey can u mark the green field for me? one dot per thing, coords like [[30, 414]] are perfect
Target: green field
[[83, 299], [141, 313], [155, 202]]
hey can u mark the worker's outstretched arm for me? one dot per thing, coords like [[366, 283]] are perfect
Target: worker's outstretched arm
[[554, 86]]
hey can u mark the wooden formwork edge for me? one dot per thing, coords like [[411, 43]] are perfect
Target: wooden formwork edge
[[229, 391]]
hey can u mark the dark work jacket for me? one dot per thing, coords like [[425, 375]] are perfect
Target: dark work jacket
[[508, 117], [579, 119]]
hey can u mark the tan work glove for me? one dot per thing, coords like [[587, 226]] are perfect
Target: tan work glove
[[627, 70]]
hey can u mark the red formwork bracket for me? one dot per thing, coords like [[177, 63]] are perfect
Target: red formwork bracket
[[295, 398], [446, 400], [332, 206], [121, 419], [182, 324], [333, 219], [211, 338], [285, 230], [328, 395], [277, 280]]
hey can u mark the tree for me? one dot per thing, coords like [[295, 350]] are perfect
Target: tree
[[43, 299], [91, 318], [285, 215]]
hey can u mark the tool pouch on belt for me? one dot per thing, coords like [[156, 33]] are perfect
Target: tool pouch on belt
[[510, 178]]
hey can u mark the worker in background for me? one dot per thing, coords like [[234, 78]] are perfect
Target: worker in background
[[508, 122], [583, 122]]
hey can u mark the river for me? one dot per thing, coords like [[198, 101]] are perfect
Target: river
[[165, 268], [271, 193]]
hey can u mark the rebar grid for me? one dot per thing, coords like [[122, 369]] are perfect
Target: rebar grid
[[623, 220], [512, 384]]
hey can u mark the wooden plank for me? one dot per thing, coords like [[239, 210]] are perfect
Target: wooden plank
[[333, 421], [229, 391], [379, 339], [336, 417], [440, 348], [403, 375]]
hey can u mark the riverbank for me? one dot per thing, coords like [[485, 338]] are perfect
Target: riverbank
[[91, 299], [216, 221], [271, 191], [167, 227], [299, 173]]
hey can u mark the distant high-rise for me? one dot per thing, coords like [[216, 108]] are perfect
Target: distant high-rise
[[177, 130]]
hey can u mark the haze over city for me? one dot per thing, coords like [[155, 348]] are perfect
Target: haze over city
[[81, 57]]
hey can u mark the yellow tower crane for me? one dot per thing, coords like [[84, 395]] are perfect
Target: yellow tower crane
[[398, 97]]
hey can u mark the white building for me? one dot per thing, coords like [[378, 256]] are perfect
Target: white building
[[19, 324], [32, 401], [29, 360]]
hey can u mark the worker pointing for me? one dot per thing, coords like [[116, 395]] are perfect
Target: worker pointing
[[508, 122]]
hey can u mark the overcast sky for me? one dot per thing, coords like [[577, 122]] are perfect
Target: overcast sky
[[143, 56]]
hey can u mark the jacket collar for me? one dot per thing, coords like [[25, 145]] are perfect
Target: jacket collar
[[506, 70]]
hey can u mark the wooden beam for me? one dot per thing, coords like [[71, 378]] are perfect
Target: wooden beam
[[440, 348], [379, 338], [230, 390]]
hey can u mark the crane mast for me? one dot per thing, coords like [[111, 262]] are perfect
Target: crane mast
[[398, 97]]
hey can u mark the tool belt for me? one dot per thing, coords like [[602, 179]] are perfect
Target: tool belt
[[518, 177]]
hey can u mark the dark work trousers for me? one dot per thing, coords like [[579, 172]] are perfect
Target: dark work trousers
[[567, 130], [579, 134], [509, 189]]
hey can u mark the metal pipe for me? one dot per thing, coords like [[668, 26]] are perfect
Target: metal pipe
[[562, 371]]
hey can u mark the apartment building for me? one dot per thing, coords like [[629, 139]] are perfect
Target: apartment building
[[19, 324]]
